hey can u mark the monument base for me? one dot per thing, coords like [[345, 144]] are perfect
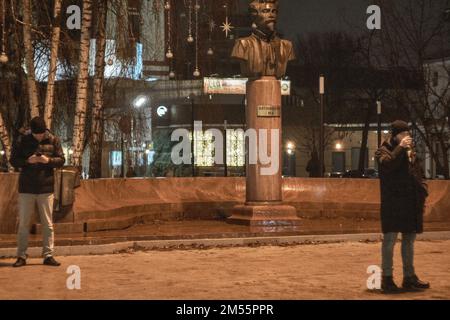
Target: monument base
[[266, 217]]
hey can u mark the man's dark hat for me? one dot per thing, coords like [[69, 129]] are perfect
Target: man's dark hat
[[37, 125], [399, 126]]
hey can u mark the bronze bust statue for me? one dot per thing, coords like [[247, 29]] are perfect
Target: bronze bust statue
[[263, 53]]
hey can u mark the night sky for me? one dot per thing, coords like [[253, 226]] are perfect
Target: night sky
[[304, 16]]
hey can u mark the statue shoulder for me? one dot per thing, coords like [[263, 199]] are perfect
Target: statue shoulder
[[287, 43], [243, 41], [240, 50], [288, 48]]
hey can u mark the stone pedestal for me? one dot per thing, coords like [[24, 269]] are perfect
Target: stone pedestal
[[264, 209]]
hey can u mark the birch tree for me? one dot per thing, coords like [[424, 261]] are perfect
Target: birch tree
[[97, 109], [33, 96], [82, 85], [5, 139], [50, 95]]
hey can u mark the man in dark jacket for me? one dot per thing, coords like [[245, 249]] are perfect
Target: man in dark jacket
[[313, 165], [403, 195], [36, 154]]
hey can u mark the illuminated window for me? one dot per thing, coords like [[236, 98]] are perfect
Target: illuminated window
[[116, 158], [204, 149], [205, 152], [235, 148]]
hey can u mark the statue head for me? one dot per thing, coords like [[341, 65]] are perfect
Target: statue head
[[264, 14]]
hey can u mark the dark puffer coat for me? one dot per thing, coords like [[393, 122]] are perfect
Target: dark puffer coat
[[37, 178], [403, 191]]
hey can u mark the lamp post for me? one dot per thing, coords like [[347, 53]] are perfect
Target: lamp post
[[225, 148], [191, 97], [322, 131], [379, 122], [291, 171], [122, 163]]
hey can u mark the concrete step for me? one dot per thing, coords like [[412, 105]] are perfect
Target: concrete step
[[165, 211], [125, 218], [117, 223]]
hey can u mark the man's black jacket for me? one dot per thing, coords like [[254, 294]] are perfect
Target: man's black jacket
[[37, 178]]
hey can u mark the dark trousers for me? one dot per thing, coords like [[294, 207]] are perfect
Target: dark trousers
[[387, 253]]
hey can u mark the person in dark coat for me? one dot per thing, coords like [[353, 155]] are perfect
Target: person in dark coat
[[313, 166], [36, 154], [403, 195]]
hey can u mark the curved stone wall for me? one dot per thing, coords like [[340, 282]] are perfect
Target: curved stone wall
[[181, 198]]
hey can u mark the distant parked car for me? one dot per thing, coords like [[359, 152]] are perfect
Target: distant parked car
[[336, 174], [371, 173], [367, 174]]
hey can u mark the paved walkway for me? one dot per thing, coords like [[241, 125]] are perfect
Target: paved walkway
[[324, 271], [210, 233], [190, 229]]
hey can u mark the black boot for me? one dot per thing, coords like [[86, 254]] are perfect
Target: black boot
[[50, 261], [388, 285], [414, 283], [20, 263]]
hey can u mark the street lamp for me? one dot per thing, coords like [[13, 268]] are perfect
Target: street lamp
[[191, 98], [379, 122], [140, 101], [290, 150], [290, 146], [322, 120]]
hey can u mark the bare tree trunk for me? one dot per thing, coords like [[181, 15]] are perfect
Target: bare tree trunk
[[5, 139], [82, 86], [365, 135], [445, 160], [33, 96], [56, 31], [96, 142]]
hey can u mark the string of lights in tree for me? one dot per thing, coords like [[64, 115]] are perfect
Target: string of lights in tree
[[211, 27], [190, 38], [198, 13], [169, 53], [3, 55], [197, 9]]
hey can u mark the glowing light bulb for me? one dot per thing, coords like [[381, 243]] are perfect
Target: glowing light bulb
[[4, 58], [169, 54]]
